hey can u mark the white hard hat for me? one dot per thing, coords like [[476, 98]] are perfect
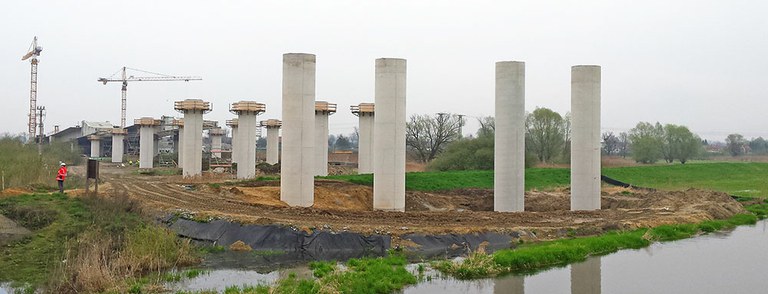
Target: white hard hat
[[63, 164]]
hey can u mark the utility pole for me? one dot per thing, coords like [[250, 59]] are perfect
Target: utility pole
[[40, 114]]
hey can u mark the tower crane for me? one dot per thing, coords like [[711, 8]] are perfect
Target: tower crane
[[34, 52], [125, 78]]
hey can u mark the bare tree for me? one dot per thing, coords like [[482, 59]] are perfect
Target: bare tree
[[610, 143], [427, 136]]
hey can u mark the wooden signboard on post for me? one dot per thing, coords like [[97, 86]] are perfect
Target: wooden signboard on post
[[92, 172]]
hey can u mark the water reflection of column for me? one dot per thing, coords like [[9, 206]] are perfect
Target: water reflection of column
[[510, 284], [301, 272], [586, 277]]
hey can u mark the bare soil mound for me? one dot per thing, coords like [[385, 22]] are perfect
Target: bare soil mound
[[341, 206]]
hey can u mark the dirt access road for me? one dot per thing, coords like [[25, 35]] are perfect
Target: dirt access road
[[343, 206]]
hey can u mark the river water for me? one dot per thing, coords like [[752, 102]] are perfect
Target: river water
[[723, 262]]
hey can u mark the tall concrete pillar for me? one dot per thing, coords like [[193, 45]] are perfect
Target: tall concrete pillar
[[509, 156], [273, 139], [297, 165], [118, 135], [193, 110], [586, 276], [178, 144], [323, 110], [389, 134], [95, 145], [233, 123], [146, 141], [585, 142], [215, 135], [365, 113], [247, 112]]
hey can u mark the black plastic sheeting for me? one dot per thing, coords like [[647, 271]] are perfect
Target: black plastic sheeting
[[616, 182], [318, 245], [451, 245]]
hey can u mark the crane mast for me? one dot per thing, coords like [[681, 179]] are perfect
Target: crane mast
[[34, 52]]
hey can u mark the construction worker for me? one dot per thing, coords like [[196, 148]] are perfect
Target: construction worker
[[61, 175]]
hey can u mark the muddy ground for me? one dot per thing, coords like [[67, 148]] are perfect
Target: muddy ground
[[343, 206]]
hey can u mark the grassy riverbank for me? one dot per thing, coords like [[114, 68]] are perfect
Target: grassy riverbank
[[736, 178], [85, 244], [543, 255]]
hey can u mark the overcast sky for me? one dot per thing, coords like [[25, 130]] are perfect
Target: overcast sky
[[703, 64]]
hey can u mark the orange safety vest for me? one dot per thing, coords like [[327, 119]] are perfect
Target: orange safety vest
[[62, 173]]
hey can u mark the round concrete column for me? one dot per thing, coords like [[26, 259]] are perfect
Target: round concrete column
[[146, 141], [118, 135], [247, 112], [216, 135], [233, 124], [180, 147], [509, 138], [297, 165], [585, 142], [193, 110], [273, 139], [389, 134], [322, 111], [365, 113], [95, 145]]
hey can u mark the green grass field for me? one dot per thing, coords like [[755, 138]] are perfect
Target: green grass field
[[736, 178]]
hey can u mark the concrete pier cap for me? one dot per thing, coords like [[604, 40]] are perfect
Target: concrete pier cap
[[323, 110], [247, 112], [509, 161], [585, 138], [146, 140], [389, 134], [365, 113], [118, 137], [298, 160], [193, 110], [273, 139]]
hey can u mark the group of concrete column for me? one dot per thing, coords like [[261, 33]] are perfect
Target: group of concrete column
[[509, 154], [304, 118], [305, 135]]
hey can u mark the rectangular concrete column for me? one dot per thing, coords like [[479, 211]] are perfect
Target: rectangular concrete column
[[95, 148], [585, 142], [192, 164], [146, 147], [216, 146], [297, 165], [389, 134], [321, 144], [117, 148], [586, 276], [509, 138], [246, 145], [273, 145], [365, 145], [180, 151]]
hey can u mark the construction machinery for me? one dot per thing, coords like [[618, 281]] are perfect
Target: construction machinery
[[124, 78], [33, 53]]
